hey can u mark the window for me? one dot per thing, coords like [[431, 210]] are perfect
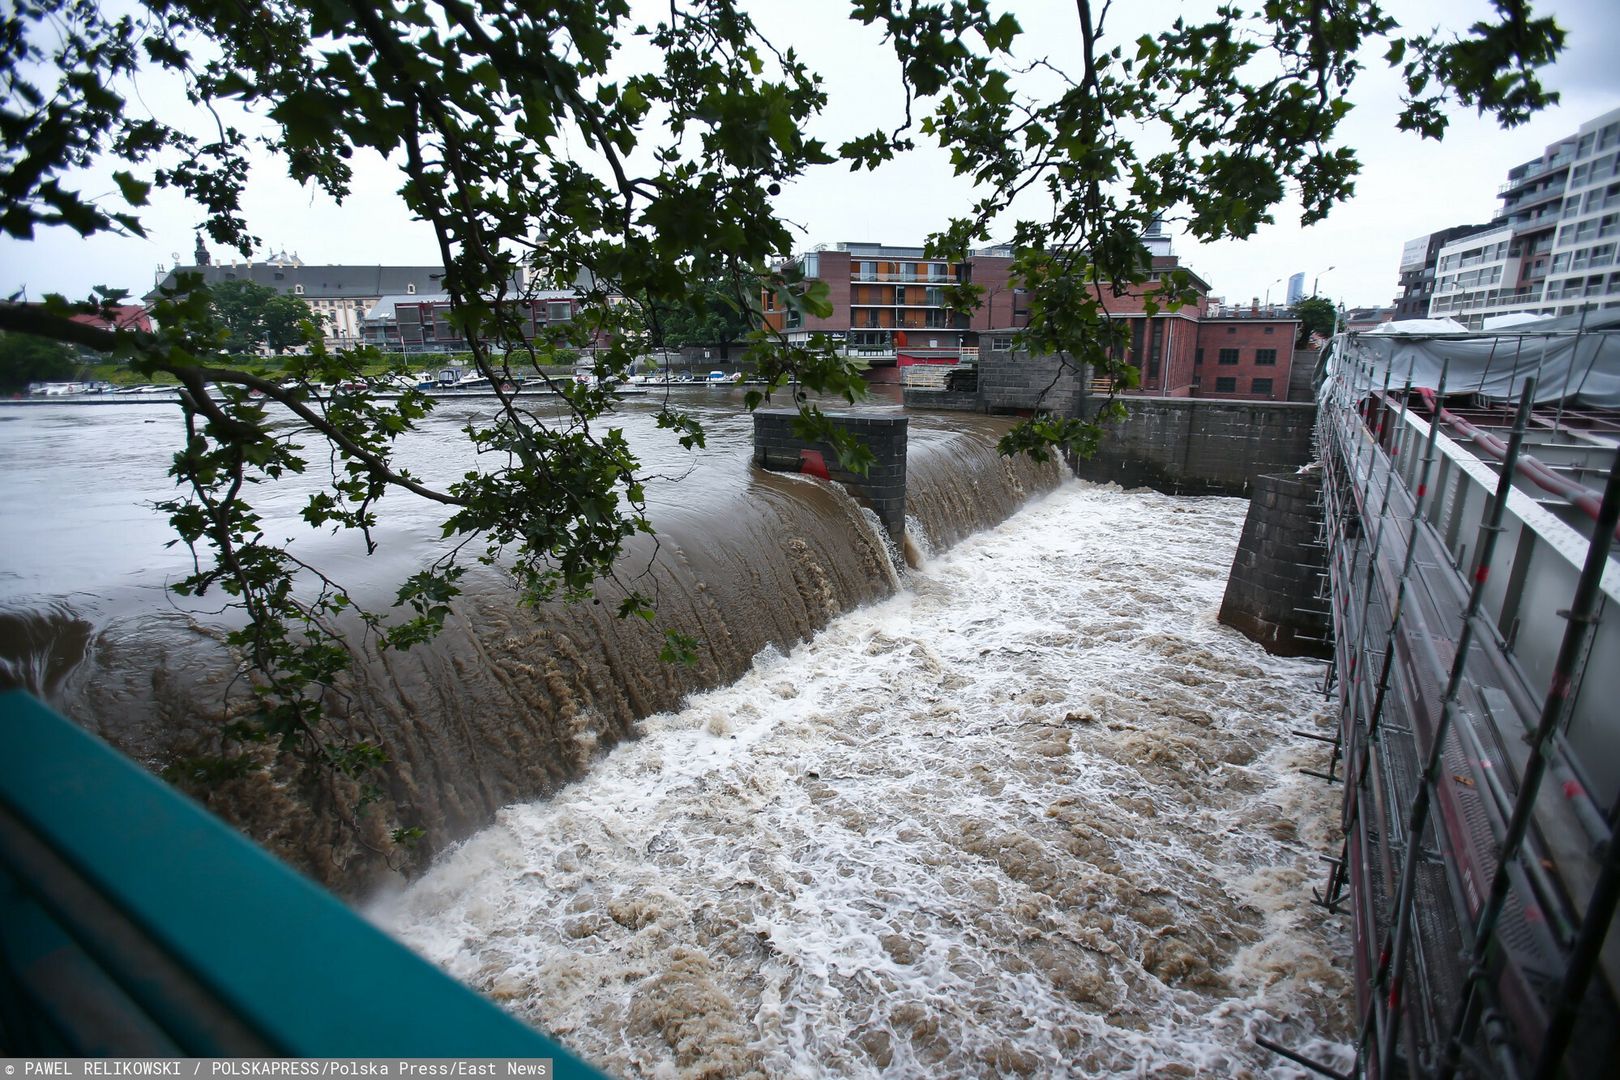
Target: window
[[298, 290], [1271, 329], [1227, 356], [1231, 329], [1265, 357], [559, 311], [1260, 386], [1001, 343], [410, 288], [1226, 386], [1198, 358]]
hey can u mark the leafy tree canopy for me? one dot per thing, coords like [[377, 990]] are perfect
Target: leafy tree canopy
[[25, 358], [525, 141], [711, 317], [258, 317], [1316, 316]]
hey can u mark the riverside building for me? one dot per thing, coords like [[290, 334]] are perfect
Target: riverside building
[[341, 295], [1549, 251], [889, 304]]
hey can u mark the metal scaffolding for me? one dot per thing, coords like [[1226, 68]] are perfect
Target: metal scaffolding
[[1477, 675]]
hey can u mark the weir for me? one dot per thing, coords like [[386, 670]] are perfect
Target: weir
[[840, 856], [511, 702]]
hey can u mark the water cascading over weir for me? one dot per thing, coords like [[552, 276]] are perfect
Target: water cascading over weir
[[511, 702]]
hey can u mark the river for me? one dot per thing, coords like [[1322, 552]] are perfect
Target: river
[[1024, 808], [1037, 814]]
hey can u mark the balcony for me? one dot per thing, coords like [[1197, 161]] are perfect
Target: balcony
[[1536, 170], [1549, 193], [859, 277]]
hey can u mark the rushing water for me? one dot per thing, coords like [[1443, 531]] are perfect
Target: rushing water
[[509, 702], [1035, 814], [1022, 809]]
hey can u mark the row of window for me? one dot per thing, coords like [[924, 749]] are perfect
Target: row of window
[[1598, 198], [930, 296], [1570, 288], [1470, 279], [904, 271], [1586, 258], [1262, 357], [1590, 172], [1590, 229], [1598, 141], [1474, 256]]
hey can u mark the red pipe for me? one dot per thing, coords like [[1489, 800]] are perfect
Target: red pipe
[[1537, 473]]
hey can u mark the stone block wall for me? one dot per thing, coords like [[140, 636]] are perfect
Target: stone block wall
[[1276, 573], [1012, 382], [883, 488], [1193, 446]]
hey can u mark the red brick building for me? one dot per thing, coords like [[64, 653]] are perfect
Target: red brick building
[[1243, 356], [889, 302]]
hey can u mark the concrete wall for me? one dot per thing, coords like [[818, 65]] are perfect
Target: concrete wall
[[883, 488], [917, 397], [1191, 446], [1271, 593]]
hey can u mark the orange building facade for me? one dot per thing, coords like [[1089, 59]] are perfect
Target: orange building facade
[[889, 302]]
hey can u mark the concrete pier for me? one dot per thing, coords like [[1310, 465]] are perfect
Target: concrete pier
[[882, 489]]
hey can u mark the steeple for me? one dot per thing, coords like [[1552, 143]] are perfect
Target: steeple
[[202, 252]]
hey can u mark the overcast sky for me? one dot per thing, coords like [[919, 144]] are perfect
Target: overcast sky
[[1408, 187]]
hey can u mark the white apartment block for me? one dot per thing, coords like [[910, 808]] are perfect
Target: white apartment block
[[1551, 249]]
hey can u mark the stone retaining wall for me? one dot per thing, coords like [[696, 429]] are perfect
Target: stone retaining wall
[[1192, 446], [1271, 593]]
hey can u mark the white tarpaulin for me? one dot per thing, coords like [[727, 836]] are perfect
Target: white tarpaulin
[[1568, 359]]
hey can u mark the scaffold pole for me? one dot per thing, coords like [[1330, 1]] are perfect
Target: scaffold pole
[[1581, 619], [1381, 975], [1422, 799]]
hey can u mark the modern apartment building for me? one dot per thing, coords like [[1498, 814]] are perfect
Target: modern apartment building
[[886, 297], [1418, 259], [1551, 249], [418, 322]]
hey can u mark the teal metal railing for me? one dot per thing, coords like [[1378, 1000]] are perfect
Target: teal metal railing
[[135, 924]]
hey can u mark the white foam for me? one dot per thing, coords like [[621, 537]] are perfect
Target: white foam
[[1036, 813]]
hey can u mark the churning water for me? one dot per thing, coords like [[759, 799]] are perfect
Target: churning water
[[1036, 813]]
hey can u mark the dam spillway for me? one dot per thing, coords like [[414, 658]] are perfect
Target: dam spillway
[[510, 701]]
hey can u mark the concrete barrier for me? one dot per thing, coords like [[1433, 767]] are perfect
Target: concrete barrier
[[1193, 446]]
